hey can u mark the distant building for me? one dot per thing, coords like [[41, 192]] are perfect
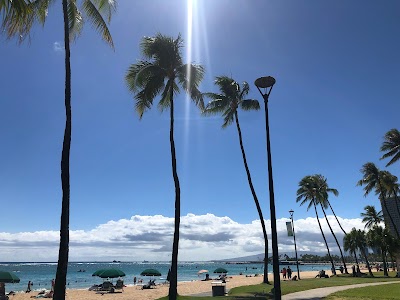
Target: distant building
[[393, 207]]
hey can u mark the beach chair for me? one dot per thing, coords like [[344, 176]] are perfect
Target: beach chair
[[106, 286]]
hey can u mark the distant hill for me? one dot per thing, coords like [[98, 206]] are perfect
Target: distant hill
[[260, 257]]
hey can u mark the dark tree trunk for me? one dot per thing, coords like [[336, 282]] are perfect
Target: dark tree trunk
[[340, 225], [385, 272], [326, 243], [253, 192], [367, 262], [62, 265], [337, 242], [173, 292]]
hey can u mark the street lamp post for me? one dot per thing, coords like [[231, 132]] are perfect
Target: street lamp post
[[268, 83], [295, 247]]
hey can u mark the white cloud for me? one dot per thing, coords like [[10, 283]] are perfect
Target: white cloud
[[57, 47], [202, 237]]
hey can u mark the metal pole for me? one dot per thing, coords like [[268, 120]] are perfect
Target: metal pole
[[275, 254], [295, 247]]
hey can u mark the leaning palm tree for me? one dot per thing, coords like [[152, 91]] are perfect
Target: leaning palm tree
[[99, 13], [310, 191], [163, 72], [323, 201], [391, 146], [371, 217], [373, 180], [231, 97]]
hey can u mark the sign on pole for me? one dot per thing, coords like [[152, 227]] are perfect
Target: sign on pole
[[289, 228]]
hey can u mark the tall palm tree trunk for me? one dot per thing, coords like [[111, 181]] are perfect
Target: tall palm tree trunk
[[385, 272], [355, 257], [367, 261], [253, 192], [340, 225], [323, 235], [62, 265], [173, 292], [337, 242], [397, 202]]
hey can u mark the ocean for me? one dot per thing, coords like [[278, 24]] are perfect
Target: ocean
[[80, 273]]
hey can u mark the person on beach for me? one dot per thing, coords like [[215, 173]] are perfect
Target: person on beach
[[52, 285], [284, 273], [134, 280], [289, 272], [28, 289]]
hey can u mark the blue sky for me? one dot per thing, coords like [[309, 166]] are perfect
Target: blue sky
[[337, 69]]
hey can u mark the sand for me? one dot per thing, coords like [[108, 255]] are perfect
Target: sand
[[136, 293]]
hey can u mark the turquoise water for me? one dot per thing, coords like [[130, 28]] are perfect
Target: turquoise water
[[41, 274]]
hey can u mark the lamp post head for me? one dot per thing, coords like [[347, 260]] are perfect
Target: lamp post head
[[291, 212], [265, 82]]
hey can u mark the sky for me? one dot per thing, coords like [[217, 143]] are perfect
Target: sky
[[336, 66]]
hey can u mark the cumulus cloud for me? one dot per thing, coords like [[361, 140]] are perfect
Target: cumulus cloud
[[202, 237]]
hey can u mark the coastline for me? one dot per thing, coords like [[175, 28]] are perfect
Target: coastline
[[132, 292]]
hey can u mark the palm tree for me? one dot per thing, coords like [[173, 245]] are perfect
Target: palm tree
[[350, 243], [361, 242], [371, 217], [99, 13], [373, 180], [311, 192], [162, 73], [325, 189], [391, 145], [377, 238], [231, 97]]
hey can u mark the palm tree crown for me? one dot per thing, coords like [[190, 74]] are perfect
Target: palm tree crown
[[231, 97], [146, 79], [371, 217], [391, 146], [21, 15]]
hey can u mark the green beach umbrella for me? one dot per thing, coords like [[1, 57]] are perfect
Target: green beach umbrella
[[220, 270], [110, 273], [150, 272], [98, 272], [8, 277]]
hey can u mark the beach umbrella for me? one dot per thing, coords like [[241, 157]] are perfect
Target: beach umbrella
[[110, 273], [150, 272], [8, 277], [202, 271], [220, 270], [98, 272]]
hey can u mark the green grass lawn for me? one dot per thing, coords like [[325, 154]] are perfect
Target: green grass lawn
[[287, 287], [382, 292]]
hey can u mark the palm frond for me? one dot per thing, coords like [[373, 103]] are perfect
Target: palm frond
[[140, 73], [216, 106], [165, 101], [249, 104], [228, 118], [190, 76], [245, 90], [106, 7], [391, 145], [97, 21], [75, 20]]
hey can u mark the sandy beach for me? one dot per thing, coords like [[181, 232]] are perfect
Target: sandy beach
[[135, 292]]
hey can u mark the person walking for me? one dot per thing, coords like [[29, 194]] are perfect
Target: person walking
[[29, 288], [52, 285]]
